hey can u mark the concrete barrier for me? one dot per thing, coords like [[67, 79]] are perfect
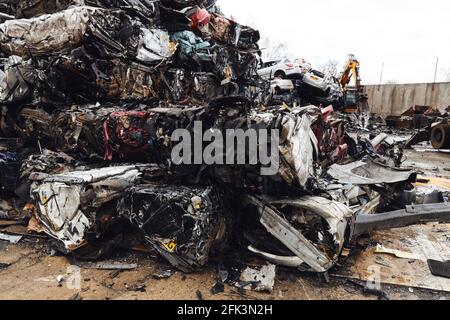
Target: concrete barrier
[[394, 99]]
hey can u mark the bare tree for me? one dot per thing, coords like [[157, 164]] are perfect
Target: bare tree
[[330, 67], [272, 50]]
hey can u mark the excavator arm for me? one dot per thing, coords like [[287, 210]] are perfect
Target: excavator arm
[[354, 96], [351, 70]]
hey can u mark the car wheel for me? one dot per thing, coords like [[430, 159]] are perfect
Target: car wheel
[[440, 137], [280, 75]]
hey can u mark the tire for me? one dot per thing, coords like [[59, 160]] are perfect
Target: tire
[[280, 74], [440, 136]]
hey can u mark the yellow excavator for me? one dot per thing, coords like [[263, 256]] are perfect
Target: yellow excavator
[[355, 98]]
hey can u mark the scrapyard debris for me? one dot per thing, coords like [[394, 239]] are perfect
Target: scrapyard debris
[[217, 288], [261, 279], [435, 130], [138, 287], [10, 238], [411, 215], [182, 224], [59, 279], [106, 32], [64, 202], [76, 297], [439, 268], [311, 228], [199, 295], [397, 253], [369, 173], [369, 288], [440, 134], [92, 93], [162, 273], [112, 266], [9, 171]]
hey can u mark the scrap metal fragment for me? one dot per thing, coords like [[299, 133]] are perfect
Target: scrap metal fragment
[[336, 215], [290, 262], [258, 279], [113, 266], [182, 224], [439, 268], [397, 253], [65, 201], [412, 215], [13, 239], [369, 172]]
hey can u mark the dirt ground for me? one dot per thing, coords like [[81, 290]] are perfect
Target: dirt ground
[[33, 271], [430, 163], [33, 276]]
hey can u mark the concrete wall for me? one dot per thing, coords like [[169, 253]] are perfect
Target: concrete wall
[[395, 99]]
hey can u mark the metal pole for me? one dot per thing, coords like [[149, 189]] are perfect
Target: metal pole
[[381, 76], [435, 72]]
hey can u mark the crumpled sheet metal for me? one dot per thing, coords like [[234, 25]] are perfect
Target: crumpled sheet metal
[[16, 80], [318, 254], [64, 202], [76, 77], [47, 161], [146, 10], [181, 4], [260, 279], [77, 130], [182, 224], [99, 132], [336, 214], [100, 79], [7, 7], [124, 134], [194, 87], [227, 63], [9, 171], [368, 172], [194, 51], [299, 145], [229, 32], [299, 150], [154, 46], [34, 8], [63, 31], [46, 34], [145, 134]]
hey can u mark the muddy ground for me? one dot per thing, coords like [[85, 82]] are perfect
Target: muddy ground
[[34, 269]]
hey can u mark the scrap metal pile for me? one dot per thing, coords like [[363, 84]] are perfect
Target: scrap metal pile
[[92, 93]]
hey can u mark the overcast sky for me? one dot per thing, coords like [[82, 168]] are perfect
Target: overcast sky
[[407, 35]]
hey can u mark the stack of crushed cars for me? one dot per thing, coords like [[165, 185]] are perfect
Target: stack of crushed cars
[[91, 94]]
